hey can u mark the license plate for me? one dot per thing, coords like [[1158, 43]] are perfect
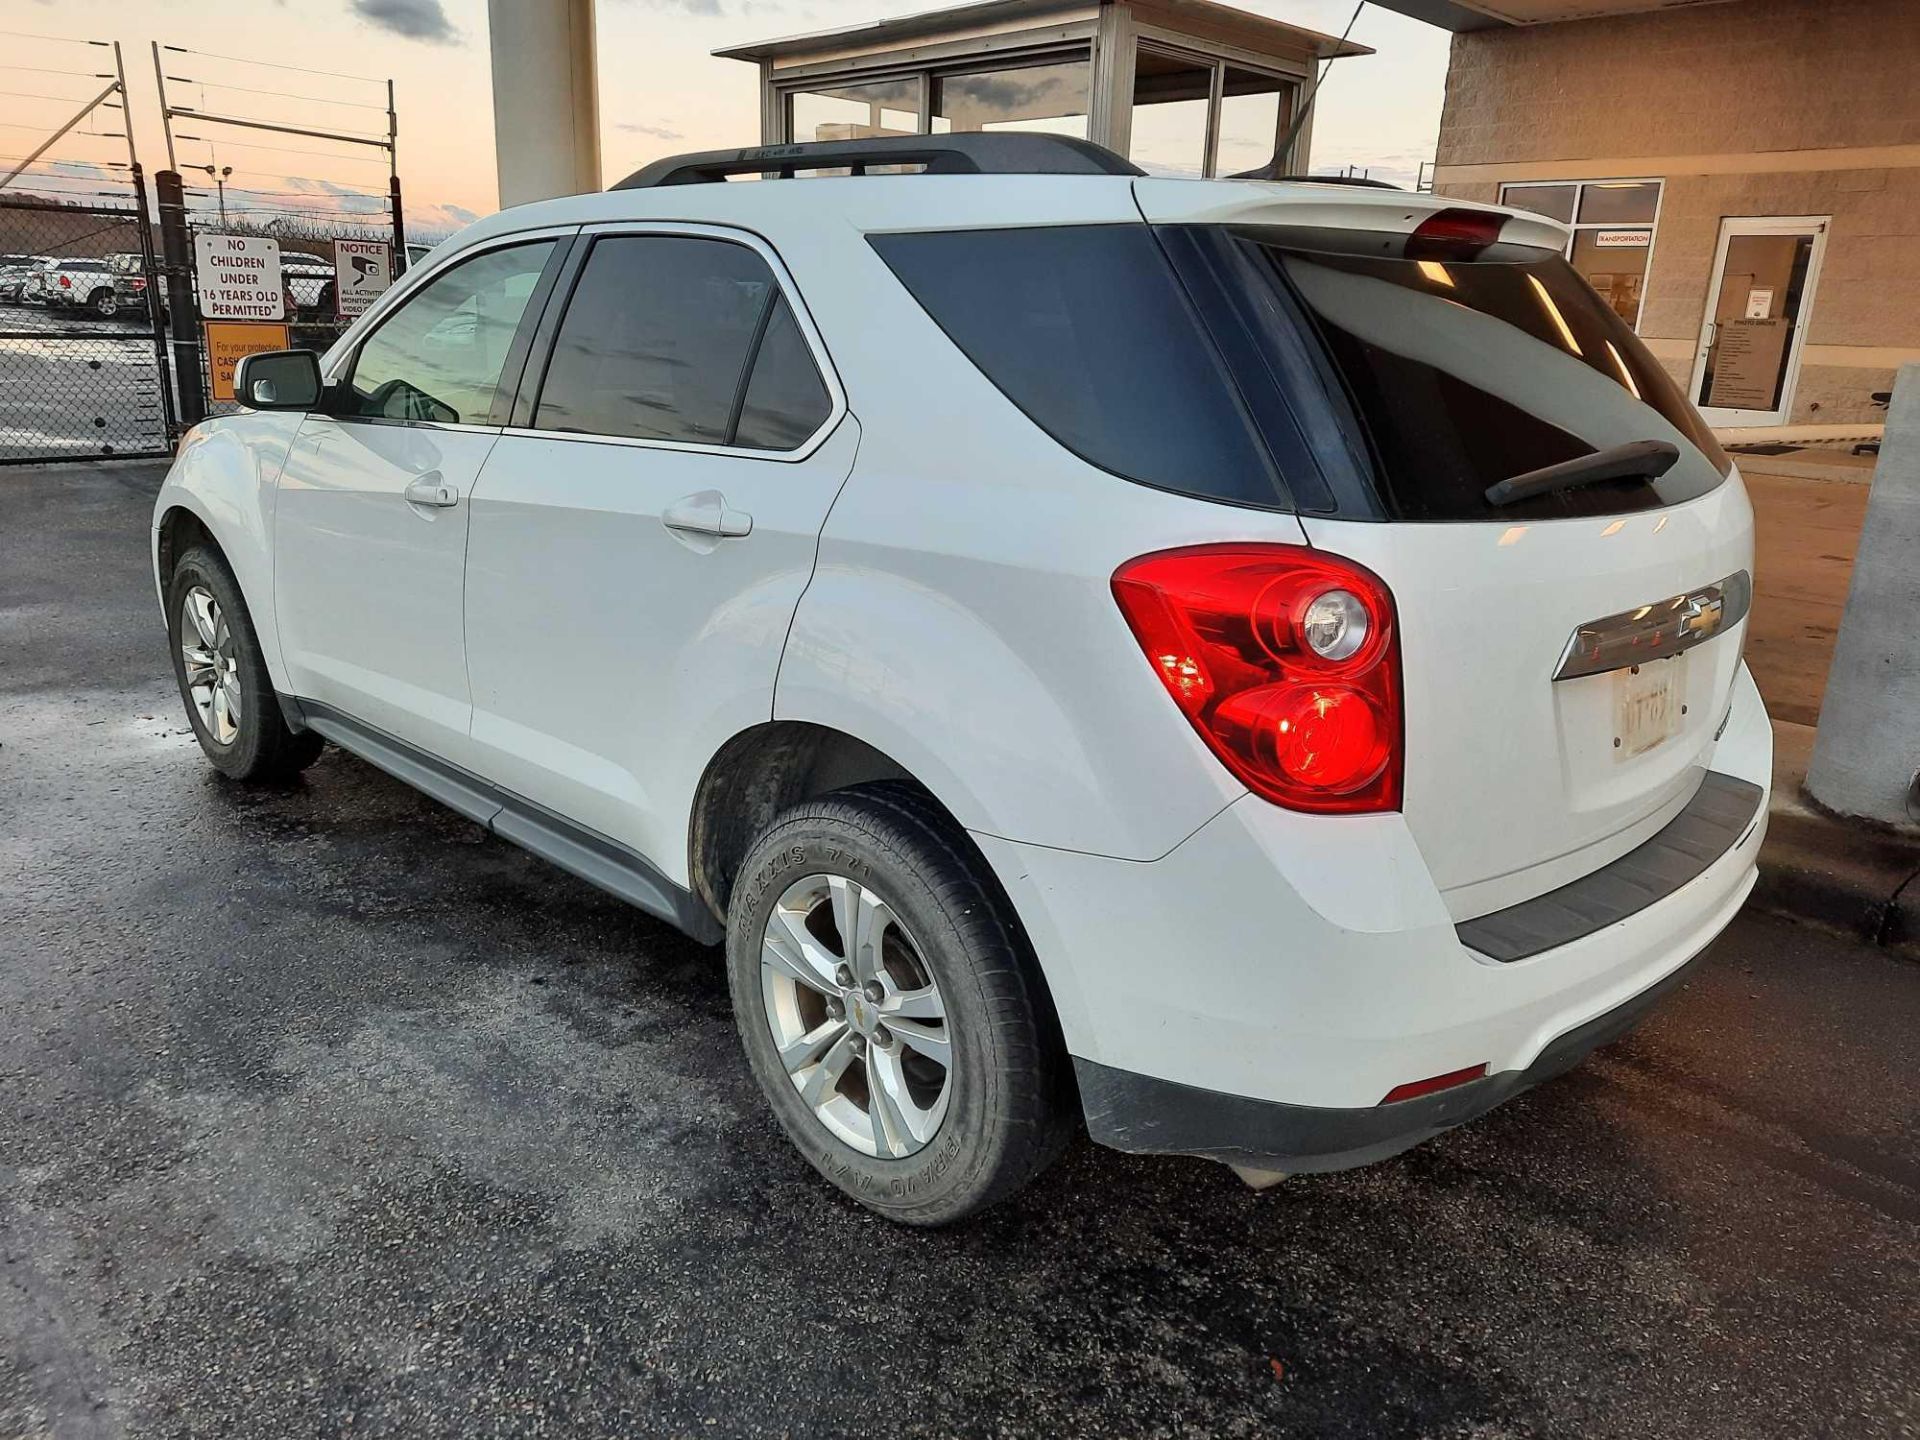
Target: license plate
[[1646, 705]]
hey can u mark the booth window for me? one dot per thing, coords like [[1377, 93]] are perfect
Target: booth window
[[855, 112], [1051, 99], [1613, 226], [1194, 115]]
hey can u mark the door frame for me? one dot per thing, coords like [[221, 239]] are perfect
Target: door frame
[[1730, 226]]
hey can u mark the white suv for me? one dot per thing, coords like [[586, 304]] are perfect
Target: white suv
[[1254, 666]]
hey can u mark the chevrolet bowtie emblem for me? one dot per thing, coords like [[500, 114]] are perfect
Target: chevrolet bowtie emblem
[[1654, 632]]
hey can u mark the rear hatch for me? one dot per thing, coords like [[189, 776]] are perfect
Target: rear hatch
[[1549, 725]]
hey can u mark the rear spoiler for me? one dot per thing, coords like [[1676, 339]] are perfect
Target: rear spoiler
[[1314, 204]]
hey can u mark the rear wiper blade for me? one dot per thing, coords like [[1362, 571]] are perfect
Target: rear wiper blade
[[1636, 460]]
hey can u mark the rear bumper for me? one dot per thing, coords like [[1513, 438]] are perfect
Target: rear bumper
[[1264, 986], [1142, 1115]]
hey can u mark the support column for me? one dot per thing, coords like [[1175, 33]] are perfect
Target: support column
[[546, 98], [1867, 750]]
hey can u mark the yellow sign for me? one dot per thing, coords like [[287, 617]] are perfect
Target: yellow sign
[[228, 344]]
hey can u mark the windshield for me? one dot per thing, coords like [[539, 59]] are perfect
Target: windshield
[[1466, 370]]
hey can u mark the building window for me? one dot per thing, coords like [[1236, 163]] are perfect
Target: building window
[[1613, 224]]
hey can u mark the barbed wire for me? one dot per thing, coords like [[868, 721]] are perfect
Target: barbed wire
[[276, 94], [273, 65]]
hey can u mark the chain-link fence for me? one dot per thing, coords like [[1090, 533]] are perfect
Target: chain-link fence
[[82, 368]]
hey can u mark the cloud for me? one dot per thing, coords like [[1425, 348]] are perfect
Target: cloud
[[658, 132], [689, 7], [410, 19]]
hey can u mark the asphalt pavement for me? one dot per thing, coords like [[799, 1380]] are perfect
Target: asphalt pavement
[[323, 1113]]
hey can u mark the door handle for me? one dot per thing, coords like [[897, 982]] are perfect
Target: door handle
[[706, 513], [431, 490]]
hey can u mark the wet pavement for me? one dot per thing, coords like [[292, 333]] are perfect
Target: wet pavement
[[322, 1113]]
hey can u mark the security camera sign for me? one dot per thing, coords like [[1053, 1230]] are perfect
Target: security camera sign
[[238, 277], [362, 270]]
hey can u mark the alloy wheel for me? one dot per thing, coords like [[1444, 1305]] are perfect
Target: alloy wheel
[[213, 669], [859, 1023]]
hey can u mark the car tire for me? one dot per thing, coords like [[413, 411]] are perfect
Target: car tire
[[956, 1142], [104, 303], [222, 675]]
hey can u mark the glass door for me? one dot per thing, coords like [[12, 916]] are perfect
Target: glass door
[[1756, 324]]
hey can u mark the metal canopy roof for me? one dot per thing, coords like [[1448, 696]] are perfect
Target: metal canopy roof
[[1499, 14], [957, 20]]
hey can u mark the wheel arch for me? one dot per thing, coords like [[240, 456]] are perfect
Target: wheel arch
[[760, 772], [780, 763], [179, 529], [220, 492]]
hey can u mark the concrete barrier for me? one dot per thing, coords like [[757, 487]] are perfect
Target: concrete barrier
[[1868, 747]]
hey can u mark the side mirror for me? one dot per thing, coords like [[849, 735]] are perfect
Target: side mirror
[[278, 380]]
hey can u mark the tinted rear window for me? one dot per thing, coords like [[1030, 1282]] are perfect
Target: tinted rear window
[[1463, 373], [1087, 330]]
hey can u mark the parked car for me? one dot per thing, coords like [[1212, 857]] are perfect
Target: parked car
[[81, 284], [20, 278], [14, 270], [130, 284], [1254, 668], [308, 281]]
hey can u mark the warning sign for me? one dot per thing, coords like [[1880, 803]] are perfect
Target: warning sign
[[228, 345], [362, 270], [238, 277]]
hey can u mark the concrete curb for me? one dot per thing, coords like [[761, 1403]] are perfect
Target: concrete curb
[[1849, 875], [1836, 873]]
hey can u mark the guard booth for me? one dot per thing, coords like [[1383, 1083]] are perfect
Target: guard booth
[[1180, 87]]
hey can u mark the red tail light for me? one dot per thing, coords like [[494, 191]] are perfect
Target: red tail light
[[1454, 235], [1285, 659]]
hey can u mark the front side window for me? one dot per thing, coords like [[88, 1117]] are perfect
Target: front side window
[[657, 342], [439, 357]]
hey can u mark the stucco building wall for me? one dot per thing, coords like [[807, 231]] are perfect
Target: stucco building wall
[[1751, 108]]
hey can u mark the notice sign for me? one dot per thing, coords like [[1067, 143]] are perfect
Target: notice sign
[[362, 270], [1622, 239], [1760, 302], [228, 344], [238, 277], [1747, 362]]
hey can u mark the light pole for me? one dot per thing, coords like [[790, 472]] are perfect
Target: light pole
[[219, 178]]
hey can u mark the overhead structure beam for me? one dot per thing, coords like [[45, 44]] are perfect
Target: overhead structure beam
[[546, 98]]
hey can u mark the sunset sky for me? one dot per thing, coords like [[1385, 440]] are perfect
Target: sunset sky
[[660, 90]]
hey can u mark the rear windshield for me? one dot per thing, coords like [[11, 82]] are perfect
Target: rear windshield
[[1328, 371], [1463, 372]]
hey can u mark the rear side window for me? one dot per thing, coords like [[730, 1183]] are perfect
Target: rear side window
[[786, 400], [1085, 328], [657, 342], [1466, 371]]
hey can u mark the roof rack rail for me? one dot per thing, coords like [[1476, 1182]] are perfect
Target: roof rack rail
[[973, 153]]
